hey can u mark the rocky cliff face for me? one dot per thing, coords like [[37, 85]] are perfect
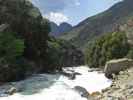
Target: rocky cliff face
[[54, 29], [108, 21]]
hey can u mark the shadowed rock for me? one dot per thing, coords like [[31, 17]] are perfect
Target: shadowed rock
[[82, 91]]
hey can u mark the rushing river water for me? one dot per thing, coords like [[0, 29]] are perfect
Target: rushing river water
[[59, 87]]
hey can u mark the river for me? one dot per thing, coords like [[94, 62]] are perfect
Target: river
[[57, 86]]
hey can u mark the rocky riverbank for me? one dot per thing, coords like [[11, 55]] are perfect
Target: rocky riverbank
[[121, 88]]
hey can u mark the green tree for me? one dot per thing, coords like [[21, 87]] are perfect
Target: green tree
[[10, 47], [26, 20], [107, 47], [11, 50]]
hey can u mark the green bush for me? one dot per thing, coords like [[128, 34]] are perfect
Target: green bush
[[107, 47]]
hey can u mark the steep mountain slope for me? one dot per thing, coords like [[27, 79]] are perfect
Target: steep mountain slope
[[54, 29], [100, 24], [58, 30]]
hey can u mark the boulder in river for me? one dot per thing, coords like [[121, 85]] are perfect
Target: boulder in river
[[115, 66], [70, 74], [73, 75], [11, 91], [82, 91]]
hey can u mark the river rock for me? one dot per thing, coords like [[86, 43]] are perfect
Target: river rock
[[105, 90], [73, 75], [115, 66], [95, 93], [12, 91], [70, 74], [82, 91]]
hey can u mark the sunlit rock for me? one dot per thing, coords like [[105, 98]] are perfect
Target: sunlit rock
[[115, 66]]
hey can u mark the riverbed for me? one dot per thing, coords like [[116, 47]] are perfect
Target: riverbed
[[57, 86]]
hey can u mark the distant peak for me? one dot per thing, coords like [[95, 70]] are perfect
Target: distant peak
[[65, 23]]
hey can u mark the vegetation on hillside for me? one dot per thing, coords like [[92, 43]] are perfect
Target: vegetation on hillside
[[31, 49], [63, 54], [107, 47], [11, 49]]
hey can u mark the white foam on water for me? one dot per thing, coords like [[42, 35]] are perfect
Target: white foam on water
[[92, 81], [59, 87]]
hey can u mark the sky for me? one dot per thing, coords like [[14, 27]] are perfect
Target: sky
[[72, 11]]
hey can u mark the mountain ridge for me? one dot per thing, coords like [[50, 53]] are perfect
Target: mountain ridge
[[57, 30], [105, 22]]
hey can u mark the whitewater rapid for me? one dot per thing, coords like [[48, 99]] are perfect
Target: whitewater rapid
[[59, 87]]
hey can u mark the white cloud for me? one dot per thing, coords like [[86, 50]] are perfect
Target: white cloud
[[56, 17], [55, 5]]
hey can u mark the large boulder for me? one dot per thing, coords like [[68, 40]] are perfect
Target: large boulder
[[115, 66], [82, 91]]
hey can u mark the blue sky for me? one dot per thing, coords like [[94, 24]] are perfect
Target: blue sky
[[72, 11]]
